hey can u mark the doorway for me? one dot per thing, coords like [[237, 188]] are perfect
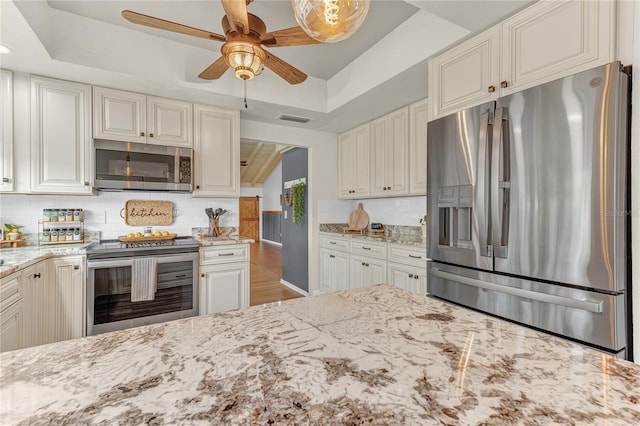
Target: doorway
[[260, 212]]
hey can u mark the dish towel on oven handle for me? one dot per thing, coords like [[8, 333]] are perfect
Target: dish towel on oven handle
[[143, 279]]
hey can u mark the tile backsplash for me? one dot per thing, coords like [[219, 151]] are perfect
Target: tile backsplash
[[102, 212], [405, 211]]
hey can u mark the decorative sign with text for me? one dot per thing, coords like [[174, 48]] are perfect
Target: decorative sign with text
[[146, 212]]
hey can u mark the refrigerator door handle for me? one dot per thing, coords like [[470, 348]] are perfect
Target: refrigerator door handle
[[500, 183], [483, 207], [585, 305]]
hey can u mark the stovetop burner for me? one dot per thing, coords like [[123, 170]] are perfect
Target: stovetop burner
[[117, 248]]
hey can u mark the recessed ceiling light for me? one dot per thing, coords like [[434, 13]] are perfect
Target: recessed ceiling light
[[5, 49]]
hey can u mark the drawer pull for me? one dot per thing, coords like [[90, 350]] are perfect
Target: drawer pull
[[141, 133], [226, 254], [492, 89], [181, 276], [6, 180], [332, 256], [415, 257], [366, 248], [504, 84], [36, 275], [76, 267], [332, 242]]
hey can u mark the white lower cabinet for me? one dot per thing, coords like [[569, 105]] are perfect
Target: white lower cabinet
[[367, 271], [11, 313], [334, 270], [408, 278], [36, 327], [66, 298], [53, 300], [224, 278]]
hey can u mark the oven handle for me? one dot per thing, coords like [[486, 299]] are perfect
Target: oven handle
[[126, 261]]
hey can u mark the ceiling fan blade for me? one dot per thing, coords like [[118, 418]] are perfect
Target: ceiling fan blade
[[236, 11], [294, 36], [290, 73], [150, 21], [215, 70]]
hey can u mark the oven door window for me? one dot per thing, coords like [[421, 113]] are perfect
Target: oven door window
[[112, 293]]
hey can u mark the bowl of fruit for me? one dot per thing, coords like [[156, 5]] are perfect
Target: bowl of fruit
[[139, 236], [12, 232]]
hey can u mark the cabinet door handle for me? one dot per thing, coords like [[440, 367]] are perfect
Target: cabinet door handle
[[225, 254], [141, 133], [366, 248], [410, 275], [86, 183], [36, 275], [197, 186], [367, 265], [76, 267], [504, 84], [6, 180], [332, 256], [362, 263], [415, 257], [491, 89], [150, 135], [416, 277], [202, 275]]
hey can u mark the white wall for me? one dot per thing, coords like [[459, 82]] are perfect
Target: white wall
[[635, 186], [271, 189], [404, 211], [102, 213]]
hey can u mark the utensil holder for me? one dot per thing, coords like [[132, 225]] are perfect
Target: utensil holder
[[214, 231]]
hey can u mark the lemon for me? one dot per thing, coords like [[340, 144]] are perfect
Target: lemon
[[165, 233], [157, 234], [138, 234], [14, 230], [130, 235]]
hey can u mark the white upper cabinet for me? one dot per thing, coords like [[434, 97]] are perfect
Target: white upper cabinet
[[134, 117], [6, 130], [418, 119], [465, 75], [546, 41], [354, 159], [390, 154], [216, 152], [552, 39], [61, 141]]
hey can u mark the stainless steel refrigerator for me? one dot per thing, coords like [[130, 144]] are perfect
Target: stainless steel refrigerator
[[528, 207]]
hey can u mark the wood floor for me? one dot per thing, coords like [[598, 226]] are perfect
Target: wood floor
[[266, 271]]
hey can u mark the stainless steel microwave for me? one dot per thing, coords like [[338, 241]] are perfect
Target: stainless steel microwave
[[128, 165]]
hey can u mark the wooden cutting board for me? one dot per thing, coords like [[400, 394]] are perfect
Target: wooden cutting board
[[358, 219]]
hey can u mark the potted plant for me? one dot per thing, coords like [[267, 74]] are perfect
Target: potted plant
[[296, 199], [423, 223]]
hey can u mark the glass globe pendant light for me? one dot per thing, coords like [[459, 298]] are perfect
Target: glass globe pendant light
[[247, 60], [330, 21]]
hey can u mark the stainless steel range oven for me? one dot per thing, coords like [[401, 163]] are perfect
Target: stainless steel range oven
[[109, 283]]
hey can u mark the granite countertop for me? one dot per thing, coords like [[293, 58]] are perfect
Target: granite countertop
[[407, 240], [376, 355], [221, 241], [22, 257]]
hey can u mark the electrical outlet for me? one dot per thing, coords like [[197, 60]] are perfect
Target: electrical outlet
[[285, 214]]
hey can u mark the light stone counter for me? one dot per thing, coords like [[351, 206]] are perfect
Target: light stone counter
[[222, 241], [373, 355], [22, 257]]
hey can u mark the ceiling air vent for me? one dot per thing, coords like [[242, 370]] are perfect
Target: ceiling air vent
[[294, 118]]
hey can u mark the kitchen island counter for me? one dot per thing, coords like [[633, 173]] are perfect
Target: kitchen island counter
[[368, 355]]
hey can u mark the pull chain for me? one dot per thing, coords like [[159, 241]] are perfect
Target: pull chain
[[245, 94]]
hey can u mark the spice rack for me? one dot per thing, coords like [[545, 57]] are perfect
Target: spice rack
[[51, 229]]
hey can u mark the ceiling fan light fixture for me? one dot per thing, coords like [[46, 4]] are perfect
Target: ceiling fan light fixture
[[330, 21], [246, 59]]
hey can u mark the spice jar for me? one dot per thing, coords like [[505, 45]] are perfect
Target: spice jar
[[54, 235], [68, 235], [46, 215], [76, 234], [46, 236], [61, 215], [77, 215], [68, 215], [53, 215]]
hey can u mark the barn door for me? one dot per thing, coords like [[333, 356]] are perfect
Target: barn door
[[250, 217]]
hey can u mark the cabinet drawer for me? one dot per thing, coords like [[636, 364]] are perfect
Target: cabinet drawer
[[369, 248], [224, 254], [10, 290], [414, 256], [335, 243]]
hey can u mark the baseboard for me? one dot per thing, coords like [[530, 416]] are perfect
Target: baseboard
[[319, 292], [293, 287], [272, 242]]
